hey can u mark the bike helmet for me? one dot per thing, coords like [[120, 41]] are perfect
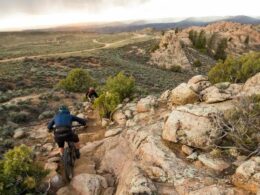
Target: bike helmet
[[63, 108]]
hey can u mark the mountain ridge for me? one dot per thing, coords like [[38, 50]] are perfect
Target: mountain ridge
[[115, 27]]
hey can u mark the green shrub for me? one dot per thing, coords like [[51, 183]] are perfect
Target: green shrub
[[120, 84], [19, 173], [198, 39], [78, 80], [155, 47], [197, 63], [19, 117], [220, 52], [247, 40], [106, 103], [176, 68], [236, 70]]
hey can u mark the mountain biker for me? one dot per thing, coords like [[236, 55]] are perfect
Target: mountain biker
[[91, 94], [62, 131]]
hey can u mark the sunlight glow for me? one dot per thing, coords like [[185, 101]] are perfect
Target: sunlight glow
[[150, 9]]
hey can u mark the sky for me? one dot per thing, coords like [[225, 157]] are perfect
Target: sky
[[28, 14]]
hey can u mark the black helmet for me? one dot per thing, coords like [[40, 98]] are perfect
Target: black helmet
[[63, 108]]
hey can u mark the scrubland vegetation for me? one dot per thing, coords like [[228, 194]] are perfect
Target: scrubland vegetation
[[19, 174], [240, 128], [236, 69], [206, 44], [120, 72], [115, 90]]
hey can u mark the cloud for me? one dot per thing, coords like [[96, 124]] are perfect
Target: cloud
[[45, 6]]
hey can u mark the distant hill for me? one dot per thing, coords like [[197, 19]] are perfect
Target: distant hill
[[181, 24], [243, 20], [116, 27]]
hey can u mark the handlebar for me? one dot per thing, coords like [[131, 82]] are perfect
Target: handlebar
[[73, 127], [77, 126]]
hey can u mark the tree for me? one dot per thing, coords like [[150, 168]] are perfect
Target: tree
[[247, 40], [200, 42], [211, 43], [220, 52]]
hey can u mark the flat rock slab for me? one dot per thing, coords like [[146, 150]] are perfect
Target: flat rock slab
[[113, 132], [213, 163]]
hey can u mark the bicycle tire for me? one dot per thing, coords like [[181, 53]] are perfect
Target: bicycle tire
[[68, 164]]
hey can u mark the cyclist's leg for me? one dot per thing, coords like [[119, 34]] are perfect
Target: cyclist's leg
[[60, 141], [75, 138]]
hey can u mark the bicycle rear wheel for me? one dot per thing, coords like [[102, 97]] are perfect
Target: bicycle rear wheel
[[68, 164]]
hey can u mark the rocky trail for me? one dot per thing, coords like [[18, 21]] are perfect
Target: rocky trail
[[155, 146]]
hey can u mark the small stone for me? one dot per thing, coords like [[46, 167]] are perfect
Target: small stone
[[105, 122], [193, 156], [198, 164], [119, 117], [54, 153], [19, 133], [57, 181], [186, 149], [146, 104], [128, 114], [48, 146], [52, 166], [109, 191], [54, 159], [110, 179]]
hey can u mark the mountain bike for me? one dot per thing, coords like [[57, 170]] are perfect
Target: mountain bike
[[69, 157], [92, 99]]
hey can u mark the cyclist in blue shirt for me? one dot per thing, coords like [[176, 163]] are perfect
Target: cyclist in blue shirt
[[62, 130]]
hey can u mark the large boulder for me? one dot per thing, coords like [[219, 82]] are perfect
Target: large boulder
[[234, 89], [252, 85], [146, 104], [213, 95], [165, 96], [183, 94], [247, 175], [199, 83], [119, 117], [191, 125], [218, 190], [133, 181], [88, 184]]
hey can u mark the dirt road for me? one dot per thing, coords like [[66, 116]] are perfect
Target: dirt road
[[106, 45]]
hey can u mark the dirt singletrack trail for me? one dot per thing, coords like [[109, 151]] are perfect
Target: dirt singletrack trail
[[105, 46], [22, 98]]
